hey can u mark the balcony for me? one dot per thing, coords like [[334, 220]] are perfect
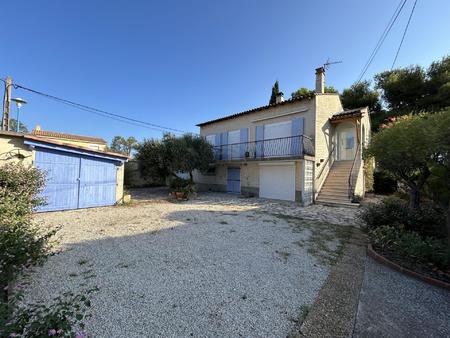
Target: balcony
[[277, 148]]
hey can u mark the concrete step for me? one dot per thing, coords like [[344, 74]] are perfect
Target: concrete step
[[337, 204], [327, 194]]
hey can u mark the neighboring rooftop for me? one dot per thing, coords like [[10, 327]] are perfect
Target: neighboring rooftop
[[59, 143], [53, 134]]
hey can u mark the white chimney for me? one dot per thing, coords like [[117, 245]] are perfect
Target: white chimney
[[279, 98], [320, 80]]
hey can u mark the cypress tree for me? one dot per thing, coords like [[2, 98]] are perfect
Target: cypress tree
[[275, 92]]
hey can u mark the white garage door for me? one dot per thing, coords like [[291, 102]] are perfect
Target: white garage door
[[277, 181]]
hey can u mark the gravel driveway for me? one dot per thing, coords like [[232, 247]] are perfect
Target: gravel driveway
[[216, 266]]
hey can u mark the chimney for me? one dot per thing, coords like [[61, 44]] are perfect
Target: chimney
[[279, 98], [320, 80]]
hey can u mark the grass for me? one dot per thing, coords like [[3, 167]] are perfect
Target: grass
[[326, 241]]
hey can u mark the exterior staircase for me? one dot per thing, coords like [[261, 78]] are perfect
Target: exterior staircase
[[334, 191]]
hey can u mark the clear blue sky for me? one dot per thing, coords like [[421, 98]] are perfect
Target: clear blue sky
[[177, 63]]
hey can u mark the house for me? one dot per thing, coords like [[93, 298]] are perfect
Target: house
[[79, 172], [90, 142], [306, 149]]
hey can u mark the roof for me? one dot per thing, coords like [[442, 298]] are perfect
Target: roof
[[62, 144], [348, 113], [54, 134], [254, 110]]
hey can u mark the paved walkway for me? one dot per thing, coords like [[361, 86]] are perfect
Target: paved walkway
[[394, 305]]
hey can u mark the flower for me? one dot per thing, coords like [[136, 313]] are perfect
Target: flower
[[81, 334], [52, 332], [13, 334]]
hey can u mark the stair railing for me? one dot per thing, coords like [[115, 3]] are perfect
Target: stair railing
[[350, 176], [324, 165]]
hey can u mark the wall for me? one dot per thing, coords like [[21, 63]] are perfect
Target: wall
[[134, 179], [304, 108], [79, 143], [326, 106], [119, 183], [12, 149]]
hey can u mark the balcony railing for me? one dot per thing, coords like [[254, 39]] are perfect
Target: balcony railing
[[294, 146]]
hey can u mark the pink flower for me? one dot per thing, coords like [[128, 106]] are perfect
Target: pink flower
[[13, 334], [52, 332], [81, 334]]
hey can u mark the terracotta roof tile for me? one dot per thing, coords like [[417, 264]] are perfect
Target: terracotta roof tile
[[45, 133]]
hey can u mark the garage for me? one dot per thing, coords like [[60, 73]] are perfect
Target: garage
[[76, 178], [277, 180]]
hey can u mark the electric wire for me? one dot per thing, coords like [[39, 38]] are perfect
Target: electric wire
[[404, 34], [382, 38]]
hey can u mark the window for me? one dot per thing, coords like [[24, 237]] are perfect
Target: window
[[211, 139], [349, 142]]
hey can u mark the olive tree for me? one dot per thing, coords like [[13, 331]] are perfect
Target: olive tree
[[171, 155], [404, 149]]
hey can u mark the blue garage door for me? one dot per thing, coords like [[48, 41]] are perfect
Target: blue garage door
[[234, 180], [75, 181]]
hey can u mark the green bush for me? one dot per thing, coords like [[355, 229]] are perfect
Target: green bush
[[185, 186], [56, 320], [22, 242], [411, 245], [383, 183], [428, 220]]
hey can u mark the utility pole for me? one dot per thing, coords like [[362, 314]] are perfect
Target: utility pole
[[6, 104]]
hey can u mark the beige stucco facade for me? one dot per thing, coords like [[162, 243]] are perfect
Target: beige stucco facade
[[14, 150], [316, 112]]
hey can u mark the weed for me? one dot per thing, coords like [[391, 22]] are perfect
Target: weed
[[82, 261], [223, 222], [283, 255]]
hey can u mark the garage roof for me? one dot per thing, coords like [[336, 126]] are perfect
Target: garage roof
[[58, 145]]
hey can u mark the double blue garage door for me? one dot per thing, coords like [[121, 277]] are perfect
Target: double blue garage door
[[75, 181]]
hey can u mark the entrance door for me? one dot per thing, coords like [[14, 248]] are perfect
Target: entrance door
[[346, 144], [234, 180]]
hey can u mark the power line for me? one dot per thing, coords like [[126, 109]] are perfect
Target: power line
[[404, 33], [382, 38], [103, 113]]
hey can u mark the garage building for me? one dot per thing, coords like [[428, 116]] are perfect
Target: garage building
[[76, 176]]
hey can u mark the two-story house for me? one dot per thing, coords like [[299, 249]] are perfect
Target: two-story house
[[305, 149]]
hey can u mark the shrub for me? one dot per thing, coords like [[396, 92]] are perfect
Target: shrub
[[428, 220], [182, 185], [383, 183], [411, 245], [22, 242], [56, 320]]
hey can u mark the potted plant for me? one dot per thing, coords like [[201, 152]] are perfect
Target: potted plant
[[181, 189]]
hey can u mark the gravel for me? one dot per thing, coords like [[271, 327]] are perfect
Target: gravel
[[217, 266]]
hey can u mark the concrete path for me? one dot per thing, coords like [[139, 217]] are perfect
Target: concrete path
[[394, 305]]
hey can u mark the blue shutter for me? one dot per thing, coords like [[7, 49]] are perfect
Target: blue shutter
[[259, 141], [298, 126], [224, 144], [217, 148], [244, 138]]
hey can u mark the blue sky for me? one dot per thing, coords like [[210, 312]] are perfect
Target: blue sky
[[178, 63]]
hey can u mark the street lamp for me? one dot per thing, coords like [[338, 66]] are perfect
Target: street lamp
[[19, 103]]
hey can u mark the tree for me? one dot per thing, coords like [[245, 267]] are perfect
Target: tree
[[122, 145], [330, 90], [171, 155], [439, 181], [13, 126], [302, 92], [361, 95], [404, 149], [415, 89], [275, 92]]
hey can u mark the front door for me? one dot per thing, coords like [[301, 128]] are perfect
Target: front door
[[346, 144], [234, 180]]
